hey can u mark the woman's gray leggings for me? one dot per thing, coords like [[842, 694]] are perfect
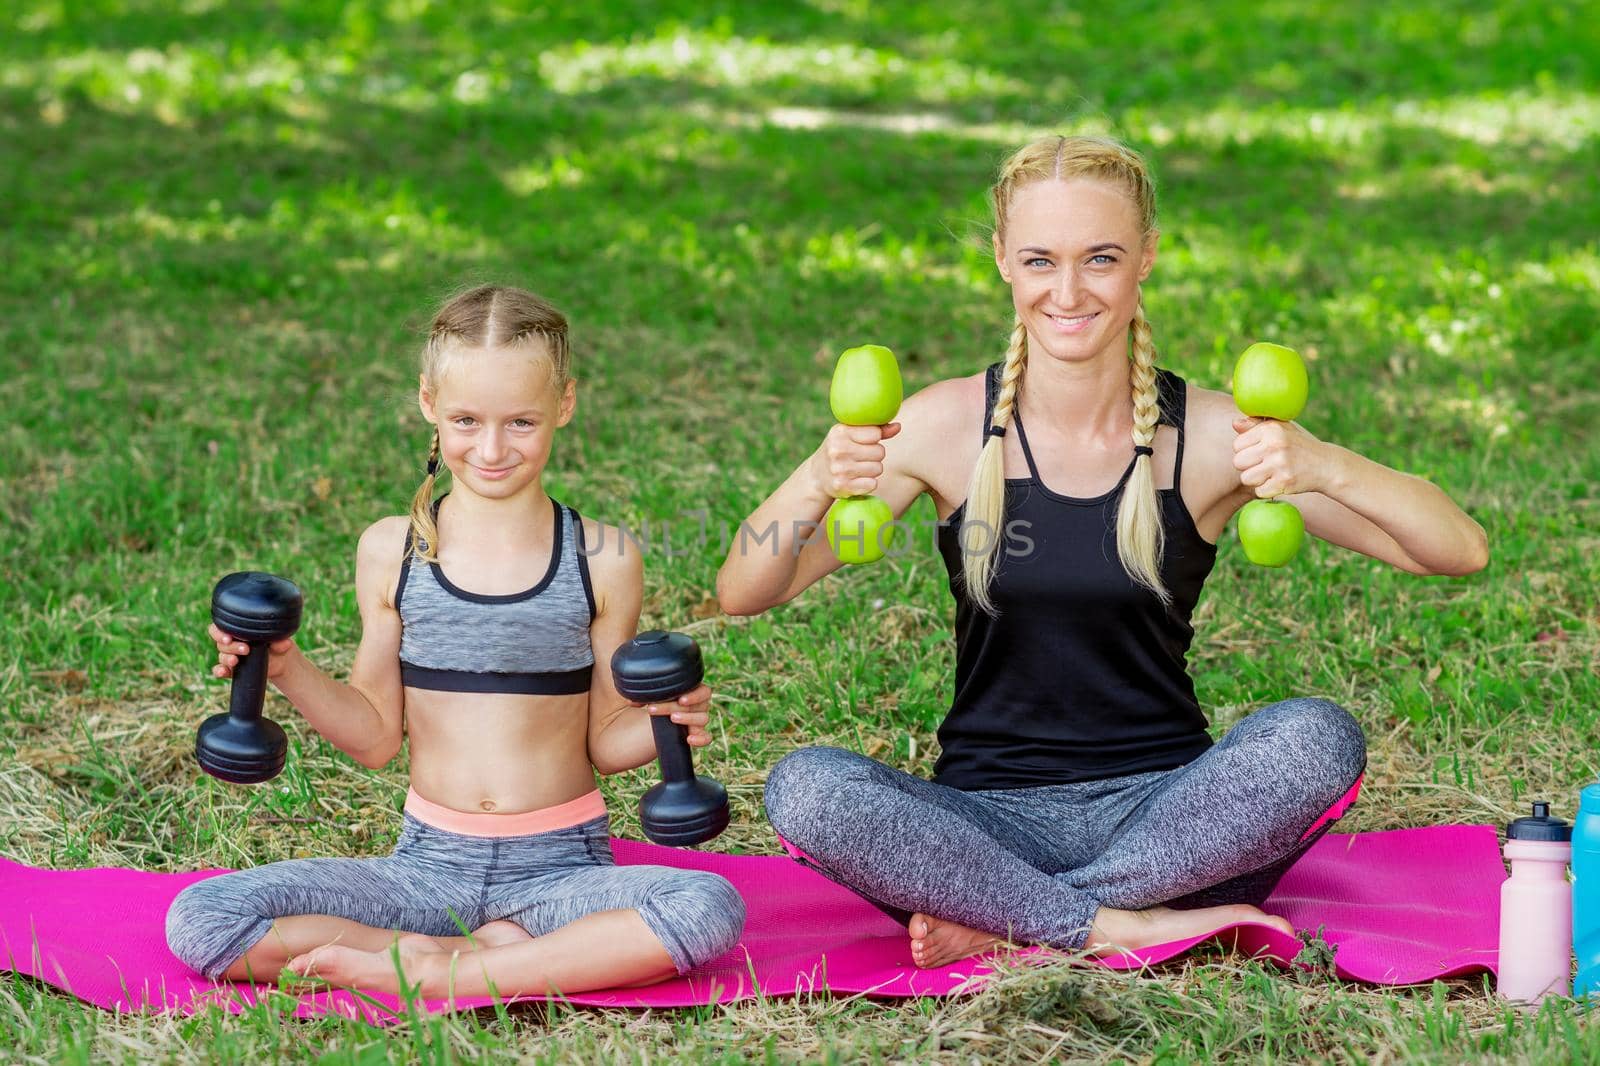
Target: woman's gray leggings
[[441, 883], [1036, 863]]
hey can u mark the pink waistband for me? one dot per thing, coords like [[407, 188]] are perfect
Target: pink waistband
[[524, 823]]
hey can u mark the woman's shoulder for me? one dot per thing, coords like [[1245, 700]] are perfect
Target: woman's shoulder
[[1210, 480], [945, 405], [940, 436], [1207, 412]]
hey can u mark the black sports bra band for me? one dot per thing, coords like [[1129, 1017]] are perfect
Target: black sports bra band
[[552, 683]]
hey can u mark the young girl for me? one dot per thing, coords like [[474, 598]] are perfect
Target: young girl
[[487, 636], [1079, 800]]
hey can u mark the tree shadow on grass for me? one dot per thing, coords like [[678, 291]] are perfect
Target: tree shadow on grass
[[1138, 54]]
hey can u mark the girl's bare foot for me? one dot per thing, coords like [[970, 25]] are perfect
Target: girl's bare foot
[[421, 958], [371, 971], [936, 942], [498, 934], [418, 944], [492, 935], [1116, 932]]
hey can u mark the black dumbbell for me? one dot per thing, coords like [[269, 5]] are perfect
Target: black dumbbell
[[683, 810], [241, 746]]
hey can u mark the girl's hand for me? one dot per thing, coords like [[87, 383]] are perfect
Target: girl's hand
[[231, 649], [1278, 458], [691, 709], [850, 460]]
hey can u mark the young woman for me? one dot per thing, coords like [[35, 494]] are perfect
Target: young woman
[[487, 634], [1079, 801]]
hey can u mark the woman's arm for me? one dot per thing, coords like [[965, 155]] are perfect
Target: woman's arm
[[781, 549], [1357, 503], [362, 718], [620, 737]]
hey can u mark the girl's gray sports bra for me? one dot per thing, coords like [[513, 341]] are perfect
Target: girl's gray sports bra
[[534, 642]]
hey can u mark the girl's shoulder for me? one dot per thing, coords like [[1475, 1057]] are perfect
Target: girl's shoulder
[[611, 552], [593, 533], [380, 554], [385, 538]]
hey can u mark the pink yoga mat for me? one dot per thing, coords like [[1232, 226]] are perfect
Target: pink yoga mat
[[1400, 907]]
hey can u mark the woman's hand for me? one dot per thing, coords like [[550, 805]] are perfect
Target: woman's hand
[[1278, 458], [231, 649], [692, 709], [850, 460]]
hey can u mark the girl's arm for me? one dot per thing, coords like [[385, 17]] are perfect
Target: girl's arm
[[1359, 504], [362, 718], [620, 737]]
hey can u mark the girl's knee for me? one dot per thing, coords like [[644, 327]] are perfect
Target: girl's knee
[[192, 916], [706, 913], [726, 912]]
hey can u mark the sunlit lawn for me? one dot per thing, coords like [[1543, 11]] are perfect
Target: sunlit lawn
[[222, 228]]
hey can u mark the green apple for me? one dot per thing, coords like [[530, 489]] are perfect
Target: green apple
[[859, 529], [1270, 531], [866, 387], [1269, 381]]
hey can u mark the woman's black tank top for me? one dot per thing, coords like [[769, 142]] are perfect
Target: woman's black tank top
[[1083, 673]]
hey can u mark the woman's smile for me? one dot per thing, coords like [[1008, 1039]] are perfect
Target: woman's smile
[[1072, 323]]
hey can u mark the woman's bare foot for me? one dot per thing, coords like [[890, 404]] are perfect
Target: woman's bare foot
[[1116, 932], [936, 942]]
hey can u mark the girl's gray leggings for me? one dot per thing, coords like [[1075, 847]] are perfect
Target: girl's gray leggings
[[441, 883], [1036, 863]]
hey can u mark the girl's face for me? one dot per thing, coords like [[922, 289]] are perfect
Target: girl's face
[[497, 413], [1073, 257]]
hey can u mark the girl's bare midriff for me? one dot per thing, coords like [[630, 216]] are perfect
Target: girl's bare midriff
[[527, 752]]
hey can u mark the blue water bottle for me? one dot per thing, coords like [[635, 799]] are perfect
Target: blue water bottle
[[1586, 891]]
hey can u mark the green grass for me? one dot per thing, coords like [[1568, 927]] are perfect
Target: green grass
[[223, 226]]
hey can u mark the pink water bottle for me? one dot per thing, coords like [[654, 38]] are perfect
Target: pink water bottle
[[1536, 909]]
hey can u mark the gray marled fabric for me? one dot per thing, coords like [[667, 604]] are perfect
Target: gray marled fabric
[[544, 629], [1036, 863], [445, 884]]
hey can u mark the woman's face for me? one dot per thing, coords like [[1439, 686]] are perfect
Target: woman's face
[[1074, 259]]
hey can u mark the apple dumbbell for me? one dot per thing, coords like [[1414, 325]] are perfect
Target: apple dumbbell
[[1269, 381], [866, 391]]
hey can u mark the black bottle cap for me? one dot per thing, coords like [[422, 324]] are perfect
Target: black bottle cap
[[656, 666], [1539, 826]]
